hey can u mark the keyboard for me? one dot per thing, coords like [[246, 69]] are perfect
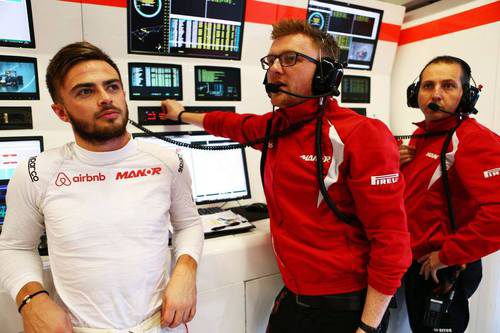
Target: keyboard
[[210, 210]]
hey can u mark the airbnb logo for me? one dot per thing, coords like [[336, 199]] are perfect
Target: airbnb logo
[[62, 179]]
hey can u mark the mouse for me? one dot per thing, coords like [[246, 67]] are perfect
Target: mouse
[[257, 207]]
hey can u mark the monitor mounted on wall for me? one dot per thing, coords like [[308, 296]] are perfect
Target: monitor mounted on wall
[[154, 81], [195, 28], [18, 78], [16, 24], [355, 28], [215, 83]]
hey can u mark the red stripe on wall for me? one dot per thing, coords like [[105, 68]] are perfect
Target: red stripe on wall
[[469, 19], [112, 3], [269, 13], [389, 32]]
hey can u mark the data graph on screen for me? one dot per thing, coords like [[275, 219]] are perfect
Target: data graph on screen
[[197, 28]]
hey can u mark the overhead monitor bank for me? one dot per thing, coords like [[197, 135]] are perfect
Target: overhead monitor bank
[[355, 28], [195, 28]]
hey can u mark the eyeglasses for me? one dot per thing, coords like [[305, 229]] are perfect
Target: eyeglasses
[[286, 59]]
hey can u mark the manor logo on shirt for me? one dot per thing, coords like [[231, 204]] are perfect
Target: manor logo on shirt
[[491, 173], [432, 155], [384, 179], [63, 179], [312, 158], [137, 173]]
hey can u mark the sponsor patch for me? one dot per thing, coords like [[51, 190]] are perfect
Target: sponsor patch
[[491, 173], [137, 173], [385, 179], [32, 169], [432, 155], [312, 158], [181, 163]]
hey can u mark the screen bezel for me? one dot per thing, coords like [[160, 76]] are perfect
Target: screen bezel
[[210, 98], [19, 95], [194, 133], [38, 138], [186, 55], [369, 9], [153, 64], [345, 99], [32, 43]]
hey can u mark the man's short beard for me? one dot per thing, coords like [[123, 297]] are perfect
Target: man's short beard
[[94, 134]]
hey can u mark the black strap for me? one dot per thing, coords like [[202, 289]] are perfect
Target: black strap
[[28, 298], [263, 157], [368, 328], [444, 175]]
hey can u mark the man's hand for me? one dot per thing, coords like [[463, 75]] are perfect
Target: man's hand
[[179, 298], [43, 315], [430, 265], [406, 154], [171, 109]]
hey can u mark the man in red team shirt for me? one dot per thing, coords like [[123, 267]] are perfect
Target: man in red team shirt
[[453, 219], [339, 272]]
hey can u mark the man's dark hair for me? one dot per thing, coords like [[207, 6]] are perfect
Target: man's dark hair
[[67, 58], [466, 71], [321, 39]]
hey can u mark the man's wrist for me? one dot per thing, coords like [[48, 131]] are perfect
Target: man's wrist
[[367, 328], [28, 298]]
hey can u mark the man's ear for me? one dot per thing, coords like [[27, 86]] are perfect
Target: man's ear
[[60, 111]]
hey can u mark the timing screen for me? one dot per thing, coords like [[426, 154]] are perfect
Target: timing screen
[[198, 28], [217, 83], [13, 152], [155, 81]]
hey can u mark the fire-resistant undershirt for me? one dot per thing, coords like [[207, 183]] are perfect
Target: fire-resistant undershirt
[[107, 216]]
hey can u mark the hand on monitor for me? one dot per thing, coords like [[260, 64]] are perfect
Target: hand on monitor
[[170, 109]]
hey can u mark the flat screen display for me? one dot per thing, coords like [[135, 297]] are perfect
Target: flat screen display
[[18, 78], [14, 150], [16, 24], [150, 81], [3, 205], [355, 28], [219, 175], [150, 115], [217, 83], [361, 111], [195, 28], [355, 89]]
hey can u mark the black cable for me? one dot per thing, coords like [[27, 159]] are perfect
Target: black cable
[[319, 167], [290, 129], [421, 135]]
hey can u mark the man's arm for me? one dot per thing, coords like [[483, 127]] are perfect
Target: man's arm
[[20, 264], [375, 306], [172, 109], [179, 298], [41, 314]]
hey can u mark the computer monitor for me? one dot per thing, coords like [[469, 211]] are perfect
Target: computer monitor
[[18, 78], [361, 111], [16, 24], [151, 81], [3, 205], [217, 83], [219, 175], [195, 28], [355, 89], [150, 115], [13, 150], [355, 28]]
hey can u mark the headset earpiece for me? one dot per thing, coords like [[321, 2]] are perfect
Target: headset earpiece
[[412, 94], [327, 77], [469, 99]]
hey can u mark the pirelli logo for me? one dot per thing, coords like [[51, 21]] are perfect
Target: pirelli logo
[[385, 179], [491, 173]]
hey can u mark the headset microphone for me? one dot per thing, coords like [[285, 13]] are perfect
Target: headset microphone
[[436, 108]]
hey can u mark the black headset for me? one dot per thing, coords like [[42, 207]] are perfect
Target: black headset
[[326, 78], [470, 93]]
